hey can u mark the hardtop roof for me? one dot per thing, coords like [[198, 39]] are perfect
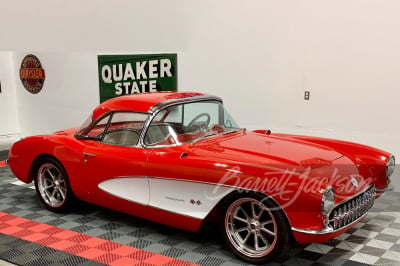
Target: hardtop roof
[[147, 102]]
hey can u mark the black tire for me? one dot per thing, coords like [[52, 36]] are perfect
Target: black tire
[[52, 185], [254, 227]]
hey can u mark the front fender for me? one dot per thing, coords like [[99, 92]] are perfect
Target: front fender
[[371, 161]]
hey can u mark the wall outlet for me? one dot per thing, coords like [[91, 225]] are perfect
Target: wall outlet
[[307, 95]]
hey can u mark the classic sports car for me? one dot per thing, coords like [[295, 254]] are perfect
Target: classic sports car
[[179, 158]]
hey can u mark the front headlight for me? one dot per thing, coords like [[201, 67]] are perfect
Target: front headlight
[[328, 201], [390, 166]]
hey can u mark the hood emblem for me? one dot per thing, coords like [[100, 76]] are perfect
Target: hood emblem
[[354, 182]]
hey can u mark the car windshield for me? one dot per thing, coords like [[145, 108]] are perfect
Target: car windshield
[[85, 127], [189, 122]]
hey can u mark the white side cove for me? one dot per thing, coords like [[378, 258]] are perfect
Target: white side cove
[[189, 198], [134, 189]]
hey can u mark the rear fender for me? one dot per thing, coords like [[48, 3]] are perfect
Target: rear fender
[[25, 153], [22, 155]]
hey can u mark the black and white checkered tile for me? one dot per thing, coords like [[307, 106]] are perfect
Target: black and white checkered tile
[[374, 241]]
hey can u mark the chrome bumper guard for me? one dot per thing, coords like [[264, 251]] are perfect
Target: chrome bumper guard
[[349, 211]]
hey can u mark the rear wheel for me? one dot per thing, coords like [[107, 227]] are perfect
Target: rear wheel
[[254, 228], [52, 185]]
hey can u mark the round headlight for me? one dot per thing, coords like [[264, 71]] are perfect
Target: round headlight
[[328, 201], [390, 166]]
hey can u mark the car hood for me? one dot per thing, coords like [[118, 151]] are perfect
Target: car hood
[[307, 164], [251, 147]]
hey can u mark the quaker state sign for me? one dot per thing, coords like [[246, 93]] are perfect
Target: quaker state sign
[[129, 74]]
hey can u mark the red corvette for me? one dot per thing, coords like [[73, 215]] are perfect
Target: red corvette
[[180, 159]]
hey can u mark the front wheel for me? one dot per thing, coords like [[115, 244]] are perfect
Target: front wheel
[[52, 185], [254, 228]]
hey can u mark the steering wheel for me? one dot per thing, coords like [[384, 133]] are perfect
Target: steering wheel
[[200, 124]]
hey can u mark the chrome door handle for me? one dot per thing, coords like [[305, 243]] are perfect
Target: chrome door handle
[[85, 154]]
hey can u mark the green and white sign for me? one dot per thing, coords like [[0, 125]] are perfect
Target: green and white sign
[[129, 74]]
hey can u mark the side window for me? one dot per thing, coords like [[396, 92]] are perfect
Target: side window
[[98, 129], [124, 128]]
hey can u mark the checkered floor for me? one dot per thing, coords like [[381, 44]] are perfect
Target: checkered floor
[[374, 241]]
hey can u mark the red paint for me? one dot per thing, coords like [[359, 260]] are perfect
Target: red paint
[[142, 102], [3, 163], [88, 247], [249, 160]]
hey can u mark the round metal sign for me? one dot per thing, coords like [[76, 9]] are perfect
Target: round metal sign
[[32, 74]]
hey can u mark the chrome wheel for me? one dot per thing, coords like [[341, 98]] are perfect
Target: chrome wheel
[[52, 185], [251, 227]]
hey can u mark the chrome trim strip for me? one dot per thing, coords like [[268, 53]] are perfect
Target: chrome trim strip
[[327, 230]]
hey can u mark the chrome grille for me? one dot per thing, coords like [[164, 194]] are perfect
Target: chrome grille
[[352, 209]]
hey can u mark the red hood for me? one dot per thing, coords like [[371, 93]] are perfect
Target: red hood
[[250, 147], [324, 165]]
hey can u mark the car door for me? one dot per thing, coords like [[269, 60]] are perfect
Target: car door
[[114, 166], [180, 179], [183, 182]]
